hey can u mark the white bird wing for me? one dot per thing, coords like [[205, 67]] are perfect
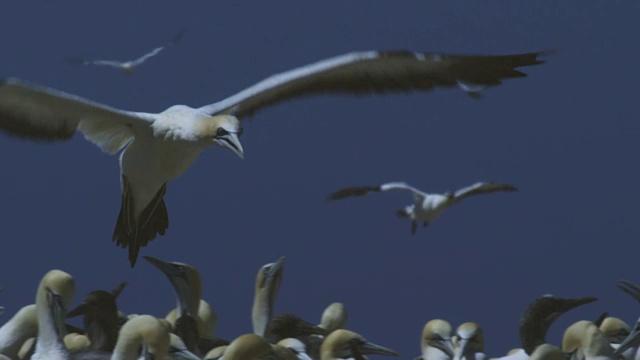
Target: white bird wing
[[376, 72], [157, 50], [80, 61], [482, 188], [39, 113], [363, 190]]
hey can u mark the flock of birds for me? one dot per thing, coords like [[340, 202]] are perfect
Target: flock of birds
[[156, 148], [188, 332]]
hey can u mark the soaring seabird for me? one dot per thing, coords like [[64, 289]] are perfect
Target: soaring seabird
[[426, 207], [128, 66], [160, 147], [268, 282]]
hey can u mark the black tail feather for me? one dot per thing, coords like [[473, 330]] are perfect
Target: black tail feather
[[137, 233]]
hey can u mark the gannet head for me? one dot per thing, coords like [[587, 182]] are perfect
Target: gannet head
[[345, 344], [437, 334], [186, 282], [225, 131], [469, 339]]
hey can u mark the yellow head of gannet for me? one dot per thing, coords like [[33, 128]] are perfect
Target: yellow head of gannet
[[469, 341], [334, 317], [615, 329], [342, 344], [186, 283], [55, 293], [22, 326], [142, 331], [268, 282], [436, 340], [249, 347], [584, 340], [548, 352]]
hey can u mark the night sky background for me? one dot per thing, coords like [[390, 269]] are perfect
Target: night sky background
[[566, 136]]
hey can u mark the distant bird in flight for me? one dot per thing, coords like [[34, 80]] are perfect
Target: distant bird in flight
[[128, 66], [427, 207], [160, 147]]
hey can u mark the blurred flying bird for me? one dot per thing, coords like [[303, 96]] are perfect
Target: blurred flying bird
[[427, 207], [128, 66]]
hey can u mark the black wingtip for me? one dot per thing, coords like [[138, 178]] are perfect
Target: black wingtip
[[352, 191]]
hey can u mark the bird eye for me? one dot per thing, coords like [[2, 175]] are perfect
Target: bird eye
[[221, 132]]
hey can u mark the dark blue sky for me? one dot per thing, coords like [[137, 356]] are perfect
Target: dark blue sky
[[567, 136]]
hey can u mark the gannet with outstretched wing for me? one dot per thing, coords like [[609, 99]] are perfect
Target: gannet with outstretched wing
[[128, 66], [159, 147], [427, 207]]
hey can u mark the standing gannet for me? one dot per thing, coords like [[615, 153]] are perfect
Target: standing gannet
[[22, 326], [268, 282], [187, 285], [128, 66], [342, 344], [160, 147], [469, 341], [100, 317], [435, 343], [55, 293], [583, 340], [143, 331], [540, 315], [427, 207]]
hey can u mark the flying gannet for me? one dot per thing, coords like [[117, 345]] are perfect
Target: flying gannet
[[159, 147], [128, 66], [427, 207]]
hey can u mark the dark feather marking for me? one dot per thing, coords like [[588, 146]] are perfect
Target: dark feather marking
[[136, 234], [478, 70], [352, 191], [539, 316]]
